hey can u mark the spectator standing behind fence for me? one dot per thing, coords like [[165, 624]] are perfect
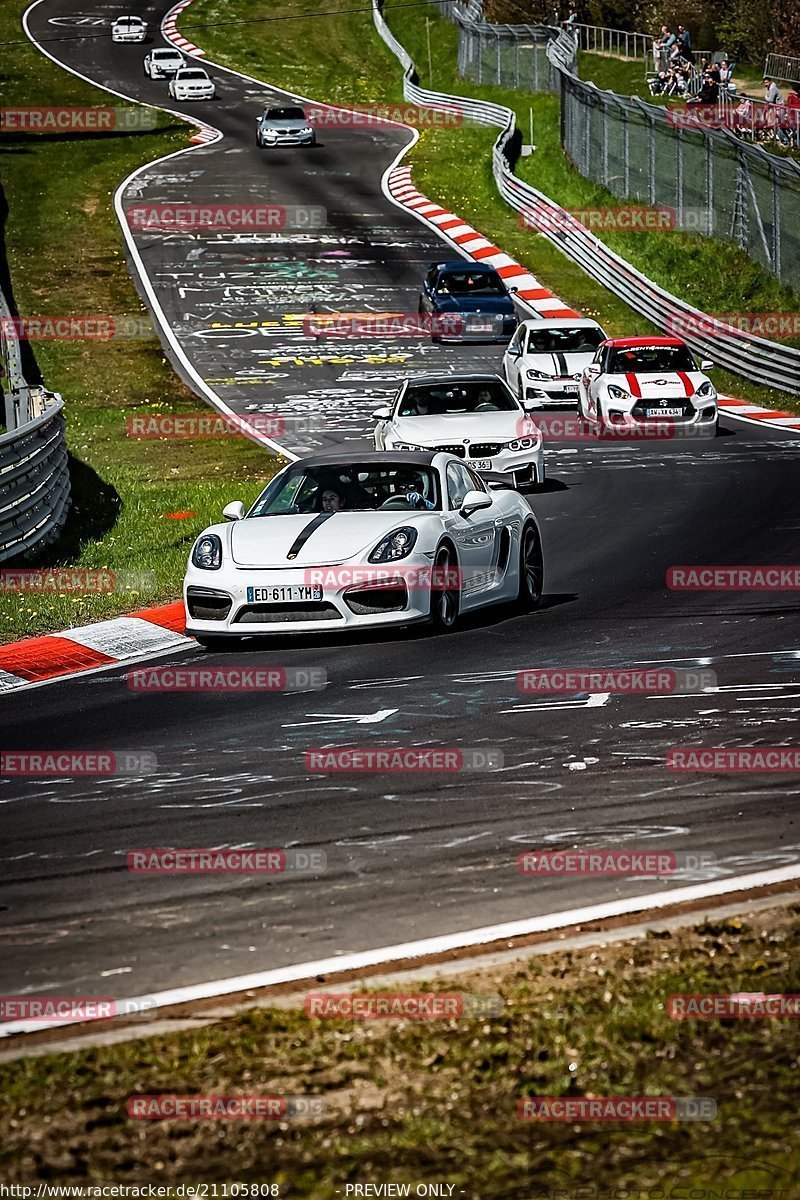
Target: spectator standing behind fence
[[772, 93], [661, 48], [684, 41], [725, 74]]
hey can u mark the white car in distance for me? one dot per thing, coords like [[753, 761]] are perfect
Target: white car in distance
[[163, 64], [129, 29], [192, 83], [546, 358]]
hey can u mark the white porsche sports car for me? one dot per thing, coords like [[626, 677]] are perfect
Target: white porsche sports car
[[163, 64], [640, 380], [129, 29], [192, 83], [475, 417], [545, 358], [343, 541]]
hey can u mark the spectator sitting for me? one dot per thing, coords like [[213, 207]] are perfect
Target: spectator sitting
[[709, 91], [742, 116], [725, 74], [792, 113], [715, 73]]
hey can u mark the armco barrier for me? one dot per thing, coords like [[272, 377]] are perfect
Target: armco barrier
[[34, 482], [34, 471], [765, 362]]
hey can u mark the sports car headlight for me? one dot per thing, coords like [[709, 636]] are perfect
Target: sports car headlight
[[408, 446], [526, 443], [537, 374], [395, 545], [618, 393], [706, 389], [207, 553]]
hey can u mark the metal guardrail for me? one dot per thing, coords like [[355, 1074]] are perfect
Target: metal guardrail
[[34, 470], [783, 67], [755, 358]]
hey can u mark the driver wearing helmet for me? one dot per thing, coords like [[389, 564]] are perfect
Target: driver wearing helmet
[[417, 486]]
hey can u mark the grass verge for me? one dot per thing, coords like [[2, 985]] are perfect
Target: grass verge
[[454, 166], [436, 1100], [65, 256]]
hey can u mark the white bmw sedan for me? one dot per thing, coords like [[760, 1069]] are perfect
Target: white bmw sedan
[[351, 540], [192, 83], [545, 359], [475, 417]]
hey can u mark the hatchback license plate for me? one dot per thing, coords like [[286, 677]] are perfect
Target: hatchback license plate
[[283, 593], [664, 412]]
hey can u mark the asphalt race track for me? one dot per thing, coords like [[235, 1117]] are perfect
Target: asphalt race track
[[408, 856]]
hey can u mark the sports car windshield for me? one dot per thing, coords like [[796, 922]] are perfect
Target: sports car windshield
[[641, 359], [284, 114], [464, 283], [349, 488], [440, 400], [564, 341], [192, 75]]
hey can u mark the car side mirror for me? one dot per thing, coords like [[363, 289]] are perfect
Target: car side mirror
[[233, 511], [593, 369], [382, 414], [473, 502], [706, 365]]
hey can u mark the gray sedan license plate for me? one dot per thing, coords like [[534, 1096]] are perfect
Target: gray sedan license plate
[[283, 593]]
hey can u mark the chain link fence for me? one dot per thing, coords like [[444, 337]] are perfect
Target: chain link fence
[[717, 182]]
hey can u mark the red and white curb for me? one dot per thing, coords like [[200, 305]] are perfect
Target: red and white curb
[[469, 241], [205, 133], [170, 32], [88, 648]]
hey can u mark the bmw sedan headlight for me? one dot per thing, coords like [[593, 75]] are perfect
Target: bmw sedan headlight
[[618, 393], [395, 545], [408, 446], [207, 553], [537, 374], [526, 443], [706, 389]]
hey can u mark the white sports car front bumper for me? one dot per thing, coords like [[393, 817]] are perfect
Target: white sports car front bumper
[[206, 92], [244, 601], [139, 35]]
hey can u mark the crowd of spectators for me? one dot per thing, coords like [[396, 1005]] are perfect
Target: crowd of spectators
[[710, 84]]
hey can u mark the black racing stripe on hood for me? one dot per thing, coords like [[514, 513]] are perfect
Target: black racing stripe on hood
[[562, 363], [306, 532]]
